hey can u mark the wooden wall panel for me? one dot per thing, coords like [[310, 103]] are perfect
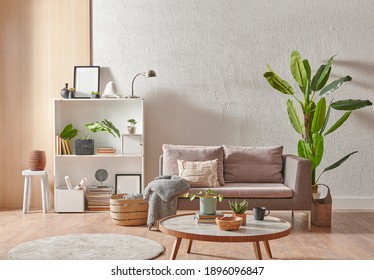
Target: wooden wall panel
[[41, 42]]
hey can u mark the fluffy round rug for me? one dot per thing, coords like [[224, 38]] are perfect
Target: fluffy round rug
[[88, 247]]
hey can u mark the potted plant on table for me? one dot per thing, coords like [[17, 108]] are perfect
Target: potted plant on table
[[131, 128], [95, 94], [208, 200], [313, 127], [239, 208], [85, 146]]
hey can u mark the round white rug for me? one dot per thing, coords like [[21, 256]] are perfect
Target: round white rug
[[88, 247]]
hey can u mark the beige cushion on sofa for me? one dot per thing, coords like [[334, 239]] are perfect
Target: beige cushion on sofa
[[253, 164], [171, 153], [199, 173]]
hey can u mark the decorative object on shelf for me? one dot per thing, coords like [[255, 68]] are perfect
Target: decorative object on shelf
[[85, 146], [68, 183], [110, 91], [81, 185], [148, 74], [208, 200], [65, 92], [71, 93], [37, 160], [316, 113], [86, 80], [95, 94], [131, 128], [128, 183], [239, 208], [229, 223], [259, 213], [128, 212], [101, 175]]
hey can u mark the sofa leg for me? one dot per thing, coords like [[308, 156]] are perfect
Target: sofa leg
[[292, 214], [309, 220]]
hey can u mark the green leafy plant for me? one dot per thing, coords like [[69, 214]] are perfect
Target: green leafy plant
[[104, 125], [238, 207], [132, 122], [95, 93], [68, 132], [204, 194], [316, 112]]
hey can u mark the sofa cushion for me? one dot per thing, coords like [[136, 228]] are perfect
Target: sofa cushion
[[199, 173], [253, 164], [252, 190], [171, 153]]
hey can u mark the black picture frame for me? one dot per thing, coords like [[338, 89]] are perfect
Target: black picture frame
[[86, 80], [123, 183]]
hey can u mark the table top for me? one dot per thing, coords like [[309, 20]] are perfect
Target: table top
[[184, 226]]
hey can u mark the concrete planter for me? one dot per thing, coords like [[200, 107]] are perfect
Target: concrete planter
[[84, 147]]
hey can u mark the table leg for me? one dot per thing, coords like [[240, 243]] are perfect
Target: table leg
[[256, 247], [29, 194], [44, 198], [189, 246], [174, 253], [267, 248]]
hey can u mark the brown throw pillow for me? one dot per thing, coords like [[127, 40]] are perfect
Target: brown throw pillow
[[199, 173], [253, 164], [171, 153]]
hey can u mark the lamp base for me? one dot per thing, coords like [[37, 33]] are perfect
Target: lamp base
[[132, 96]]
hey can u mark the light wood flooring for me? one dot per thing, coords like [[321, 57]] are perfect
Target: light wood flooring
[[350, 237]]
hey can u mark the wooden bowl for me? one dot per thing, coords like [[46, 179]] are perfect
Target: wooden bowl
[[229, 223]]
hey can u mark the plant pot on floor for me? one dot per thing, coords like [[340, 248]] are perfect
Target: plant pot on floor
[[208, 205], [84, 147]]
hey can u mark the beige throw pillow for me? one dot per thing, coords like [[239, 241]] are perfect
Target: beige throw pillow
[[199, 173]]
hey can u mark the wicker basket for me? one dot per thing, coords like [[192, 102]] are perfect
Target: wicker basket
[[128, 212], [229, 223]]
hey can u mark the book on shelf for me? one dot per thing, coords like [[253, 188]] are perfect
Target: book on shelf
[[106, 151], [63, 146], [98, 198]]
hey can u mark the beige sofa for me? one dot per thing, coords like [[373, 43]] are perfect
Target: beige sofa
[[262, 175]]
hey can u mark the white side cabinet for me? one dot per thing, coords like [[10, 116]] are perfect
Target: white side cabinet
[[79, 112]]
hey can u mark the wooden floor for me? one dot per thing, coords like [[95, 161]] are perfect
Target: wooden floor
[[350, 237]]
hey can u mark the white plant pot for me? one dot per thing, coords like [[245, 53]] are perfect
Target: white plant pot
[[316, 195]]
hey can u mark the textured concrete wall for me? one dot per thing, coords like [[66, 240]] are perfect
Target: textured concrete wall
[[210, 57]]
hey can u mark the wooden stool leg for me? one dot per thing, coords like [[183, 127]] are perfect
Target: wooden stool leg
[[44, 194], [267, 249], [29, 193], [256, 247], [189, 246], [174, 253], [25, 195]]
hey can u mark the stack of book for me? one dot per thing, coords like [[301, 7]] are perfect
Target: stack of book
[[62, 146], [98, 198], [205, 218], [106, 151]]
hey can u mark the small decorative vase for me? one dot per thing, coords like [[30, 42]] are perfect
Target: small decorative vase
[[208, 205], [84, 147], [131, 129], [37, 160], [243, 216], [65, 92]]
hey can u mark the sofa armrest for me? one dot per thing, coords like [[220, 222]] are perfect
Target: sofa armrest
[[297, 174]]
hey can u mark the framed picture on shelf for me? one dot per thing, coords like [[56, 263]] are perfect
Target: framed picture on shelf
[[86, 80], [128, 183]]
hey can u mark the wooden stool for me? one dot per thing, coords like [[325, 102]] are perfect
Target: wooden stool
[[27, 189]]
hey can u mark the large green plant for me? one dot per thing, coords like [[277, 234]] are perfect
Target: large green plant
[[316, 113]]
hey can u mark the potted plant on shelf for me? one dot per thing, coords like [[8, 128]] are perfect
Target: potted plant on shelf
[[312, 128], [71, 93], [239, 208], [85, 146], [131, 128], [208, 200], [66, 135], [95, 94]]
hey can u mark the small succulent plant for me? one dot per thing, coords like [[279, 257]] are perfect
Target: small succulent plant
[[238, 207]]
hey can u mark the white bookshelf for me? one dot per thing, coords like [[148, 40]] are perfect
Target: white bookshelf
[[82, 111]]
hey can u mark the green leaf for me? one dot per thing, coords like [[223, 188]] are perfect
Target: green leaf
[[307, 92], [338, 123], [304, 150], [307, 68], [294, 117], [321, 77], [68, 132], [334, 86], [276, 82], [350, 104], [318, 144], [298, 70], [325, 121], [338, 163], [269, 68], [319, 115]]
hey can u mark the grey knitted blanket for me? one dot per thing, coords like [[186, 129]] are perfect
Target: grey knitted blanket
[[162, 196]]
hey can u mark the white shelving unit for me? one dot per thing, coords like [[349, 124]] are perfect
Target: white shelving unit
[[80, 112]]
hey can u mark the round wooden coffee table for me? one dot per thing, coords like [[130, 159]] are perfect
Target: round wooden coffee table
[[184, 227]]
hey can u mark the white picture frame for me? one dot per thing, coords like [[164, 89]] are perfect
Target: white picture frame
[[86, 80], [128, 183]]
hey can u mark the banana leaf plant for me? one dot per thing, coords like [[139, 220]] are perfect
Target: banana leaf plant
[[313, 125]]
